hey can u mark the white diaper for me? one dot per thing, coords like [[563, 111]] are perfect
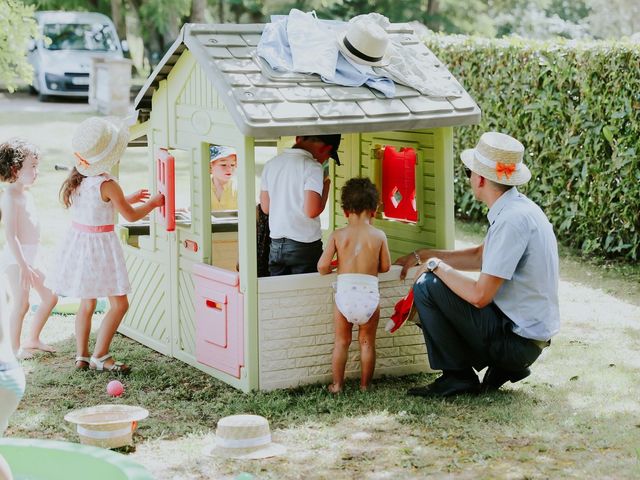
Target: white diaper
[[7, 258], [357, 296]]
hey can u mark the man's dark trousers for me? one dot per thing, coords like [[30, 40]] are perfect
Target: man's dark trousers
[[459, 335]]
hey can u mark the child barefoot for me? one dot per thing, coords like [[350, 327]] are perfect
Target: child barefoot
[[19, 166], [12, 381], [90, 261], [362, 253]]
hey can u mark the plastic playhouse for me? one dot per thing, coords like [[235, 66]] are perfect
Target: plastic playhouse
[[196, 294]]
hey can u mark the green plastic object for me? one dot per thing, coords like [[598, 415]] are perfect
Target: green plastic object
[[69, 306], [55, 460]]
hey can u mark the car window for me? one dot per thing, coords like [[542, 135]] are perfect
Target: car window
[[80, 36]]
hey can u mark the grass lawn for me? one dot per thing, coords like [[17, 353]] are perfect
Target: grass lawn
[[576, 416]]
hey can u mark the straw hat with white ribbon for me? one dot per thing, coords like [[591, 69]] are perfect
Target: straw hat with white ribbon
[[498, 157], [98, 143], [107, 426], [244, 437]]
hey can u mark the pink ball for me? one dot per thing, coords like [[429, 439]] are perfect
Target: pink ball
[[115, 388]]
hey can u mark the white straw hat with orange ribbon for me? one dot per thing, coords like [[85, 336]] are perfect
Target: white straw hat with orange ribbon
[[244, 437], [498, 157], [107, 426], [98, 144]]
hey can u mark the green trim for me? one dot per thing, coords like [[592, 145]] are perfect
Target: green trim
[[443, 153]]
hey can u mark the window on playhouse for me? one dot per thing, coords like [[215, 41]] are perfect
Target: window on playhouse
[[397, 182], [182, 171]]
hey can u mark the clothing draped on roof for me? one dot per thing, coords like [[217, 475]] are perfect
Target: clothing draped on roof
[[300, 42]]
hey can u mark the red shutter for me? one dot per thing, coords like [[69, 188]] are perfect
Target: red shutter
[[399, 183], [167, 187]]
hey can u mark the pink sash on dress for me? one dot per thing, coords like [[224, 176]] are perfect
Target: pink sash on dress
[[92, 228]]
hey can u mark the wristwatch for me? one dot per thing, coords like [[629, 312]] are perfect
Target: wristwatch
[[432, 264]]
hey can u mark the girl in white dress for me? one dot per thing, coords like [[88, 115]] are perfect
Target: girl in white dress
[[90, 262]]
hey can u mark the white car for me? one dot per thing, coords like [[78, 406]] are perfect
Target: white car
[[61, 57]]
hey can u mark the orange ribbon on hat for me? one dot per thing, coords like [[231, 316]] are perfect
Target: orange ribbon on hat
[[82, 161], [505, 169]]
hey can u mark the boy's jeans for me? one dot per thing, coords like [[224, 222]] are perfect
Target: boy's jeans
[[288, 257]]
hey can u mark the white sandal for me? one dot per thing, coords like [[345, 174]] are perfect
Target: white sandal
[[98, 364], [80, 358]]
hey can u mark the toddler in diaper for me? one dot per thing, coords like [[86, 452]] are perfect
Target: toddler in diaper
[[362, 252]]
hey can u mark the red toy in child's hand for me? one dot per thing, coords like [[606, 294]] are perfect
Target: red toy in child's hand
[[334, 264]]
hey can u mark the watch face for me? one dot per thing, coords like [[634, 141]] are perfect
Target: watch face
[[432, 264]]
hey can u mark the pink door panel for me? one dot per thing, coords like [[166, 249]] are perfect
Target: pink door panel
[[219, 314], [211, 311]]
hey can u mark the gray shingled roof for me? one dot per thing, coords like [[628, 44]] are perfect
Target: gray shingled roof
[[268, 104]]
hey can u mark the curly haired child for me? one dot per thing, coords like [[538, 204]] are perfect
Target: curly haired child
[[362, 253], [19, 167]]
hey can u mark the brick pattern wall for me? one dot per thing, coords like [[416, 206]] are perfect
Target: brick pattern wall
[[296, 332]]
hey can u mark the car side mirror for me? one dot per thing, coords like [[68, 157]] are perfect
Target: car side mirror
[[31, 45], [125, 46]]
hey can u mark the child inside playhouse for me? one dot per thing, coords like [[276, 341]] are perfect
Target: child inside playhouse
[[222, 164], [362, 253], [19, 166], [90, 262]]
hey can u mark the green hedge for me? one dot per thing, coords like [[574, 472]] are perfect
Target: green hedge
[[576, 108]]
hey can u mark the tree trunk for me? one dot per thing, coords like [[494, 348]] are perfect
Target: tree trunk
[[198, 8], [221, 11], [432, 7], [118, 18]]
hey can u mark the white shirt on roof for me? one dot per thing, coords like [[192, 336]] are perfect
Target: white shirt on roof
[[521, 248], [286, 177]]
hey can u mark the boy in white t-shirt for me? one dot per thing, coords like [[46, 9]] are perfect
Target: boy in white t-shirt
[[294, 193]]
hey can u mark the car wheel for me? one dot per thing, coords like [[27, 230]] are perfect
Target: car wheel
[[32, 90]]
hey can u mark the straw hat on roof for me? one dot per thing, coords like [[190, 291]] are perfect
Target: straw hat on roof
[[365, 43]]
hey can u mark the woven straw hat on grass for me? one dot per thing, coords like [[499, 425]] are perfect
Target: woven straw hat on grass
[[107, 426], [98, 144], [244, 437], [498, 157]]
